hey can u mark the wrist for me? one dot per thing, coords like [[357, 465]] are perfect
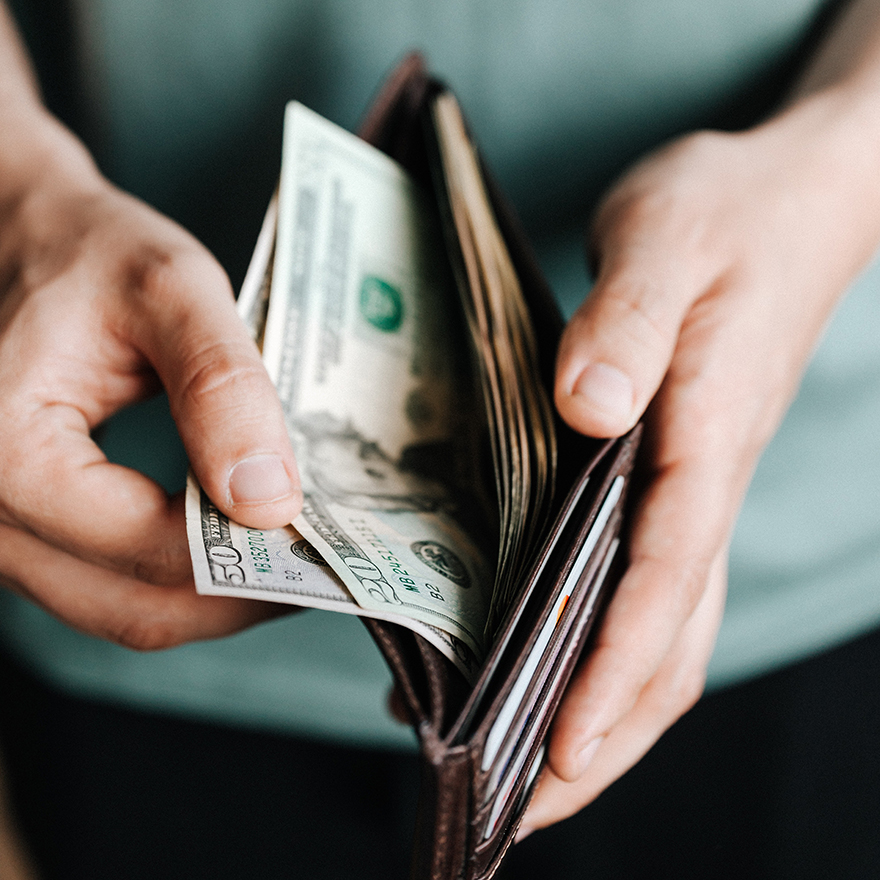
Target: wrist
[[830, 141]]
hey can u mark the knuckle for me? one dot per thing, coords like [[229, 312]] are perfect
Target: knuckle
[[681, 583], [633, 302], [17, 493], [663, 184], [148, 271], [632, 209], [706, 144], [161, 566], [676, 691], [665, 200], [693, 580], [156, 273], [143, 633], [221, 372], [693, 161]]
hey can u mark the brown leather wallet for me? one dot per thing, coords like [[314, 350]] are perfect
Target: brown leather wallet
[[482, 746]]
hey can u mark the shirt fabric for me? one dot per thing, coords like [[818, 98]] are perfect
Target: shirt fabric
[[562, 96]]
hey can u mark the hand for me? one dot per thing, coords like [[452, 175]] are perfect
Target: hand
[[719, 260], [103, 302]]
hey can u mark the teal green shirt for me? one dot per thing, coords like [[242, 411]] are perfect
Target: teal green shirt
[[562, 96]]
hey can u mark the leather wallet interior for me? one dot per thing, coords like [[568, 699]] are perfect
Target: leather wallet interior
[[483, 745]]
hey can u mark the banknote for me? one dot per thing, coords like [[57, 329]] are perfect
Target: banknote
[[365, 344], [427, 573], [279, 565], [521, 419], [423, 449], [372, 372]]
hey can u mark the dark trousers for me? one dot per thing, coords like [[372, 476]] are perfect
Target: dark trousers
[[777, 778]]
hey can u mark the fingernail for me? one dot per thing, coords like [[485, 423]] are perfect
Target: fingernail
[[522, 833], [259, 479], [606, 389], [586, 754]]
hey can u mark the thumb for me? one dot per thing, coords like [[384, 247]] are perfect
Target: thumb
[[225, 405], [619, 343]]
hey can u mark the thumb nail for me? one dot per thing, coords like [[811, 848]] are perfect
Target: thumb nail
[[606, 390], [259, 480]]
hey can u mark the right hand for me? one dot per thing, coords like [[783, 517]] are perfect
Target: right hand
[[104, 301]]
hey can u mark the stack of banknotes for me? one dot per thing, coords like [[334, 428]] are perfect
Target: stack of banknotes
[[425, 446]]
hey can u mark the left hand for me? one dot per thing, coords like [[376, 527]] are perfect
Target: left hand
[[720, 260]]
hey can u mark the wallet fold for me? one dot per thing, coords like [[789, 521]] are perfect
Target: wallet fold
[[482, 745]]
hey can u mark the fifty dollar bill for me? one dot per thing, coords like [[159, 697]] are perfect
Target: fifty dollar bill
[[362, 342]]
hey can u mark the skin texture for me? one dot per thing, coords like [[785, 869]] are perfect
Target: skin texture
[[720, 259], [104, 300]]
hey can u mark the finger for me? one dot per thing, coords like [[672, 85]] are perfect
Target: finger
[[619, 343], [122, 609], [169, 305], [680, 527], [673, 690], [58, 485], [225, 406]]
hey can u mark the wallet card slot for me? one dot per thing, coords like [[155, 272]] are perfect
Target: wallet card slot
[[514, 787], [501, 726], [531, 719], [519, 630], [504, 793], [503, 652]]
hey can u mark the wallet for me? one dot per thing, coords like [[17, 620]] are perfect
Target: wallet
[[483, 744]]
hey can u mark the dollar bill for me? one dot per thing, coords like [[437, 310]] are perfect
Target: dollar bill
[[520, 416], [364, 342], [390, 409], [279, 565]]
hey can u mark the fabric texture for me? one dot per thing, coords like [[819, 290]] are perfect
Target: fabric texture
[[774, 779], [185, 106]]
